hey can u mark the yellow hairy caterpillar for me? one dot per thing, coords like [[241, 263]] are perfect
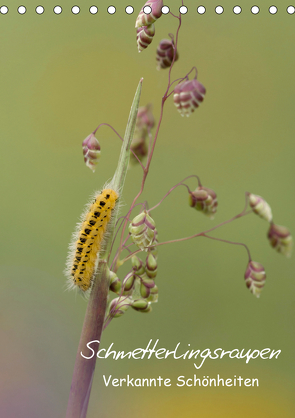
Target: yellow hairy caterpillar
[[88, 239]]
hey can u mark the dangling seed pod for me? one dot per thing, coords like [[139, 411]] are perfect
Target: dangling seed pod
[[141, 305], [188, 95], [260, 207], [142, 230], [128, 282], [137, 265], [280, 239], [144, 123], [153, 297], [255, 277], [148, 282], [154, 249], [145, 119], [146, 285], [165, 53], [119, 306], [144, 19], [144, 290], [151, 266], [91, 151], [115, 284], [204, 200], [144, 36]]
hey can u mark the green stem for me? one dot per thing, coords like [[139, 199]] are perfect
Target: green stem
[[120, 174], [96, 308]]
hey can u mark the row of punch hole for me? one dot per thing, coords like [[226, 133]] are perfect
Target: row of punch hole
[[147, 9]]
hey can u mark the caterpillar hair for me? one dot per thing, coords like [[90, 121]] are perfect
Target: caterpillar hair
[[88, 239]]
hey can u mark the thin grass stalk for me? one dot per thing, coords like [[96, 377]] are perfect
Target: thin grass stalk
[[96, 308]]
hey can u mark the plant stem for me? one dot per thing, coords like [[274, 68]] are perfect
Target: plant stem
[[96, 308], [84, 368], [152, 147]]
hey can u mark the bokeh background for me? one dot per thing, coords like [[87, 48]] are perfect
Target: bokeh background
[[60, 77]]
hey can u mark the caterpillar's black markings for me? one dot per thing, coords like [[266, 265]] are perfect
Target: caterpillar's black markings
[[90, 238]]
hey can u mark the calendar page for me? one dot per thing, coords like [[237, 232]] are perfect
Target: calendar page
[[147, 209]]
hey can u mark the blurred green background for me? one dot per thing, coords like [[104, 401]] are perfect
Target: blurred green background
[[60, 77]]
